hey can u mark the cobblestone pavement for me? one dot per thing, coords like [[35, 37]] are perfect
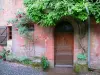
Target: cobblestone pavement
[[61, 71], [7, 68], [90, 73]]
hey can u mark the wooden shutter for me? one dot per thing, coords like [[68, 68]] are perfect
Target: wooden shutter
[[3, 35]]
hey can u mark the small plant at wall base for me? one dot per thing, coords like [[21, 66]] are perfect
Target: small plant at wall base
[[82, 59], [78, 68], [81, 56], [81, 65], [25, 60], [3, 54], [44, 63]]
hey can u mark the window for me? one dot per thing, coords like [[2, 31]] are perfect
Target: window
[[9, 32], [3, 35]]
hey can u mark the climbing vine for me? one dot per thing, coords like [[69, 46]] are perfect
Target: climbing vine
[[25, 27], [22, 22], [48, 12]]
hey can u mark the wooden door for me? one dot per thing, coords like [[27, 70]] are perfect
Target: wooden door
[[64, 48]]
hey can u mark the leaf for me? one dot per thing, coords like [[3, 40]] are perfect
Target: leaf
[[48, 12]]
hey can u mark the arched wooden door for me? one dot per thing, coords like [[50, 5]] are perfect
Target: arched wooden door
[[64, 41]]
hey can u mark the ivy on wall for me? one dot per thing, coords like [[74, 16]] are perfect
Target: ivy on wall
[[48, 12], [25, 27], [22, 22]]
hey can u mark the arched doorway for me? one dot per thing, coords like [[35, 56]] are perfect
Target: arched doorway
[[64, 43]]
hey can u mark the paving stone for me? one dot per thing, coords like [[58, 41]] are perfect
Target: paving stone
[[7, 68]]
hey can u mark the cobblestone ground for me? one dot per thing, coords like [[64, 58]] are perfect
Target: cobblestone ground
[[7, 68], [90, 73], [70, 71]]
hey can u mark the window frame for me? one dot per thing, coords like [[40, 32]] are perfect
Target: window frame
[[9, 29]]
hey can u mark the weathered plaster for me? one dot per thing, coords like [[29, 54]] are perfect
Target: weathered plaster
[[95, 45]]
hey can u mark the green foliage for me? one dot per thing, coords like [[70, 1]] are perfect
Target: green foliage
[[22, 22], [36, 65], [44, 63], [78, 68], [23, 60], [81, 56], [23, 25], [11, 58], [26, 61], [36, 62], [12, 20], [27, 2], [48, 12], [19, 12], [4, 53], [95, 10]]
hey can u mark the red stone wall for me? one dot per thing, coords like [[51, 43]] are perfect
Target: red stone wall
[[45, 38], [8, 9], [95, 45]]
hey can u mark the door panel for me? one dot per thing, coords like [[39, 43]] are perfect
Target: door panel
[[63, 48]]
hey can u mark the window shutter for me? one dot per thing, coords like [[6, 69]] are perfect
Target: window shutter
[[3, 35]]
